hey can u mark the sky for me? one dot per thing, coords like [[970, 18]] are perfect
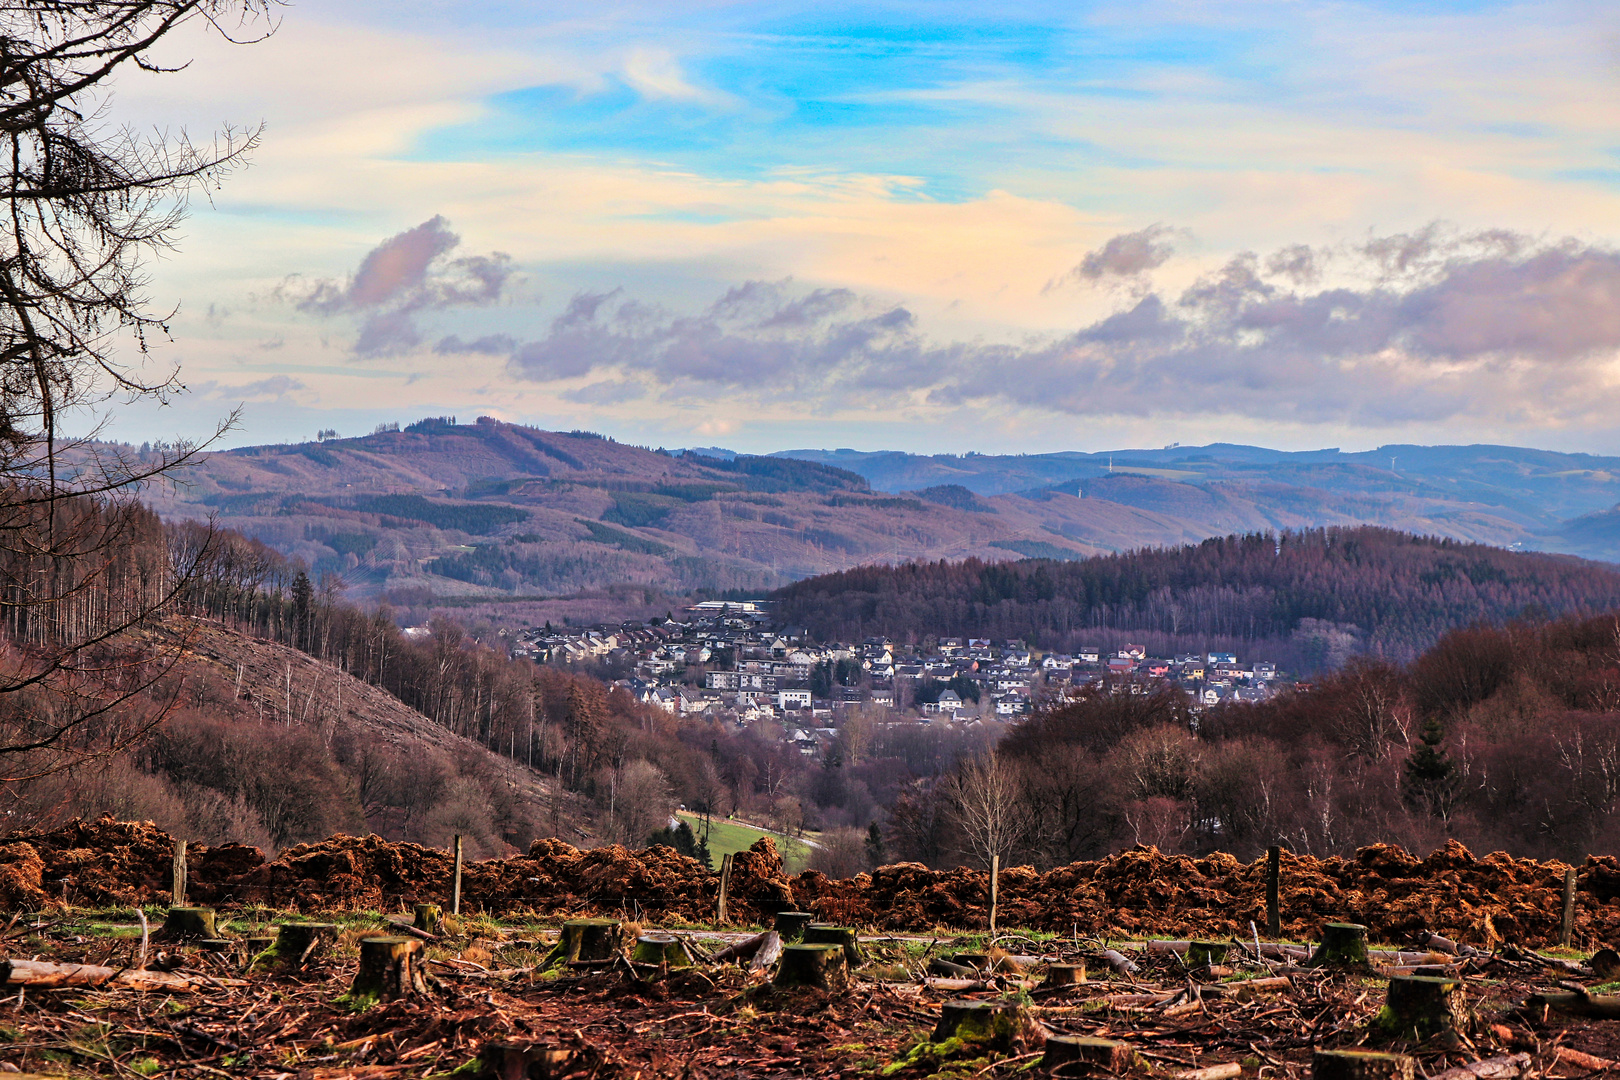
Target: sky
[[935, 227]]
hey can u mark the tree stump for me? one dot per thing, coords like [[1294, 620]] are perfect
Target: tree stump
[[1201, 954], [258, 944], [827, 934], [1422, 1006], [1606, 963], [297, 943], [428, 918], [1110, 1054], [512, 1061], [1065, 974], [1359, 1065], [586, 941], [656, 949], [184, 923], [822, 966], [1344, 945], [790, 925], [994, 1024], [388, 970]]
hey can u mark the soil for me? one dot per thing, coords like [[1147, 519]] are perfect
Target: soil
[[1141, 892], [719, 1021]]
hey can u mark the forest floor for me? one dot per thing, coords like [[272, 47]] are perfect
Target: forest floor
[[486, 988]]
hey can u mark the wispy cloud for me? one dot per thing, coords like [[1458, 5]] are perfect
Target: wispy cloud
[[400, 279]]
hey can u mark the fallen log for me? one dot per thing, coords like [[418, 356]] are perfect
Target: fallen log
[[1581, 1060], [1505, 1067], [43, 975], [1118, 964], [743, 950], [1580, 1003], [1213, 1072], [404, 926]]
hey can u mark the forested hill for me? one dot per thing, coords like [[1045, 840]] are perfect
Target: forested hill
[[1312, 596]]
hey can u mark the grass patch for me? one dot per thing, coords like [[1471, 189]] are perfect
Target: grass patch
[[729, 837]]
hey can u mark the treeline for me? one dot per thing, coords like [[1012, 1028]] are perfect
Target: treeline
[[1313, 597], [1504, 738]]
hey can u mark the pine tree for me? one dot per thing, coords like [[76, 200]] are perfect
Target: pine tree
[[1432, 782], [875, 855]]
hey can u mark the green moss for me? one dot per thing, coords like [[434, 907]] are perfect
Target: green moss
[[146, 1066]]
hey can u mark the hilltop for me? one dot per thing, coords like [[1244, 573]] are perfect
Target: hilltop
[[1313, 598], [494, 513]]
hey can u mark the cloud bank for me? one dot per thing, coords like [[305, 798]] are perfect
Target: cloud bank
[[1428, 326]]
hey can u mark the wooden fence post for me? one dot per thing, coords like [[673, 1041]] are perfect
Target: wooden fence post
[[177, 891], [995, 879], [721, 915], [455, 889], [1274, 891], [1566, 929]]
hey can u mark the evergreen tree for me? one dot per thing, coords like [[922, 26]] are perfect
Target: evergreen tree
[[1431, 782], [875, 855]]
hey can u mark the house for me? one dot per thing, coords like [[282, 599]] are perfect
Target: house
[[721, 680], [1089, 655], [1222, 658], [792, 699]]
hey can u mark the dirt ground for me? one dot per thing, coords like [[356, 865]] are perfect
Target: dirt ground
[[718, 1020]]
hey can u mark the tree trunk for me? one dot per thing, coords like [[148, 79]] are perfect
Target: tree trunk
[[660, 949], [388, 970], [1065, 974], [184, 923], [1359, 1065], [296, 944], [791, 924], [46, 975], [827, 934], [1201, 954], [1110, 1054], [1421, 1006], [820, 966], [586, 941], [997, 1025], [1344, 945]]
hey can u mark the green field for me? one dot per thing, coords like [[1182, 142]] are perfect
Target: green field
[[728, 837]]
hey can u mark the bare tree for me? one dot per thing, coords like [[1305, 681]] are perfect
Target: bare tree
[[88, 204], [983, 796]]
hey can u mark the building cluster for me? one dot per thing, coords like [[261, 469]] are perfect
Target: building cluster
[[729, 659]]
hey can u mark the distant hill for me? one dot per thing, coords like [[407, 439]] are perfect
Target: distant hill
[[490, 512], [446, 511], [1504, 495], [1307, 598]]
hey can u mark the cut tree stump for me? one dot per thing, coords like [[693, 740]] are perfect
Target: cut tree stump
[[388, 971], [1201, 954], [656, 949], [820, 966], [790, 925], [1065, 974], [1360, 1065], [586, 941], [994, 1024], [511, 1061], [1344, 945], [185, 923], [1110, 1054], [1422, 1006], [428, 918], [297, 943], [827, 934]]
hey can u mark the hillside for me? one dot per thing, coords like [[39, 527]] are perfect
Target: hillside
[[1299, 598], [1504, 495], [267, 745], [511, 518], [494, 510]]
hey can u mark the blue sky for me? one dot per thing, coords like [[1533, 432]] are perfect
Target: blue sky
[[1297, 198]]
